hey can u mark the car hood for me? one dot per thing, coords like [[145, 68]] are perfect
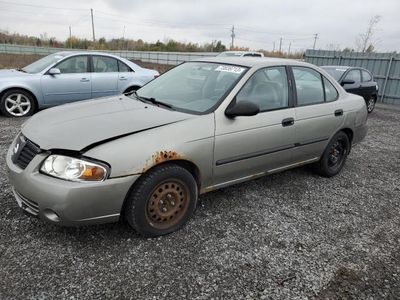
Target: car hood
[[7, 73], [80, 126]]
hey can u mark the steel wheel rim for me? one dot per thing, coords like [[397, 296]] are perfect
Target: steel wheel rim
[[17, 104], [168, 204], [337, 153], [371, 104]]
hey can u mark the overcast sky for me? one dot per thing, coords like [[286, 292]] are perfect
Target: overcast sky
[[258, 23]]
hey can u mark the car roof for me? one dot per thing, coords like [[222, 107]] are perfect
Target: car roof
[[337, 67], [253, 61], [70, 53]]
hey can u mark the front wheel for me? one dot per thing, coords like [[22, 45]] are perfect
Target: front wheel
[[161, 201], [371, 104], [17, 103], [335, 154]]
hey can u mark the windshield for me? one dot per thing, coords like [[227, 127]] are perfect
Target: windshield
[[194, 87], [335, 72], [43, 63]]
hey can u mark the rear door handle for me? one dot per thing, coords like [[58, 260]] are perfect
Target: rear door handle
[[84, 79], [287, 122], [122, 78], [338, 112]]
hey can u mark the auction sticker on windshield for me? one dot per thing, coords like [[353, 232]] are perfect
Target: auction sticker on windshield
[[230, 69]]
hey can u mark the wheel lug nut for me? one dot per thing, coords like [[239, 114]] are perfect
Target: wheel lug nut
[[164, 209], [172, 203], [161, 202], [169, 196]]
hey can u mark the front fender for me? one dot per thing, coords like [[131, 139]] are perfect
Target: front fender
[[190, 140], [32, 86]]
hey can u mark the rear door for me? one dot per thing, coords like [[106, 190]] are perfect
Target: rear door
[[104, 76], [125, 76], [246, 146], [318, 114], [74, 82]]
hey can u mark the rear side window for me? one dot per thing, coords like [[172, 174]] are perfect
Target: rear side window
[[104, 64], [309, 86], [123, 67], [366, 76], [268, 88], [354, 75], [75, 64], [331, 94]]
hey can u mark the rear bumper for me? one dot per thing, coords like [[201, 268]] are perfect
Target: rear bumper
[[64, 202], [359, 133]]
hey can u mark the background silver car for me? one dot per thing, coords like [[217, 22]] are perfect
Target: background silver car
[[66, 77], [201, 126]]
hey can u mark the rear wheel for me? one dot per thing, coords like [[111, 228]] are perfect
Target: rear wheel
[[17, 103], [371, 104], [335, 155], [161, 201]]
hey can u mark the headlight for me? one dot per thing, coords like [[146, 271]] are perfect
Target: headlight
[[73, 169]]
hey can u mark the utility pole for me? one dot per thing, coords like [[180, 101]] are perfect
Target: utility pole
[[290, 45], [273, 49], [70, 36], [91, 12], [315, 40], [232, 36], [280, 45]]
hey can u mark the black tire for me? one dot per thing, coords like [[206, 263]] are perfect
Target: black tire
[[26, 102], [155, 205], [335, 155], [371, 101]]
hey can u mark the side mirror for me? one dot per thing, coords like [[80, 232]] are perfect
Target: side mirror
[[347, 81], [242, 108], [54, 71]]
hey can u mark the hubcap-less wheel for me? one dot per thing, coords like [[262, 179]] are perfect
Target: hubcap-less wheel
[[168, 204], [17, 105], [336, 153], [371, 104]]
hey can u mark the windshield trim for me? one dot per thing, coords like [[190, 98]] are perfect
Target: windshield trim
[[220, 100]]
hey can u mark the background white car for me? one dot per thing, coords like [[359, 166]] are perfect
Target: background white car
[[241, 54]]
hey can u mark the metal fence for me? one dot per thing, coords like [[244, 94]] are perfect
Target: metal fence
[[167, 58], [384, 66]]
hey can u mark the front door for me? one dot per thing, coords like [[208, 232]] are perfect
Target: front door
[[247, 146], [71, 85], [354, 88]]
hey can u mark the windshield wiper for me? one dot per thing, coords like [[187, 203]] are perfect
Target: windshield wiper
[[21, 70], [155, 101]]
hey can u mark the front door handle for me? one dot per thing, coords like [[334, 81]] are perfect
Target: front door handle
[[338, 112], [84, 79], [287, 122], [122, 78]]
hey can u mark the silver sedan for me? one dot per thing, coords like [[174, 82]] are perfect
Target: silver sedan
[[67, 77], [201, 126]]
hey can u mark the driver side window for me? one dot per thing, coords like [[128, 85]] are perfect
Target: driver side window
[[267, 88], [75, 64]]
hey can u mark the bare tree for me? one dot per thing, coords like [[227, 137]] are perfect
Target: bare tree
[[365, 41]]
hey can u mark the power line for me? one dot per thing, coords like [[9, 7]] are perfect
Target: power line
[[42, 6]]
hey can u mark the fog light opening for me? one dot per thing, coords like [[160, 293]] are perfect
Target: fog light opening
[[51, 215]]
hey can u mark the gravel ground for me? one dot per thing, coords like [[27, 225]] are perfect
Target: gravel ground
[[290, 235]]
